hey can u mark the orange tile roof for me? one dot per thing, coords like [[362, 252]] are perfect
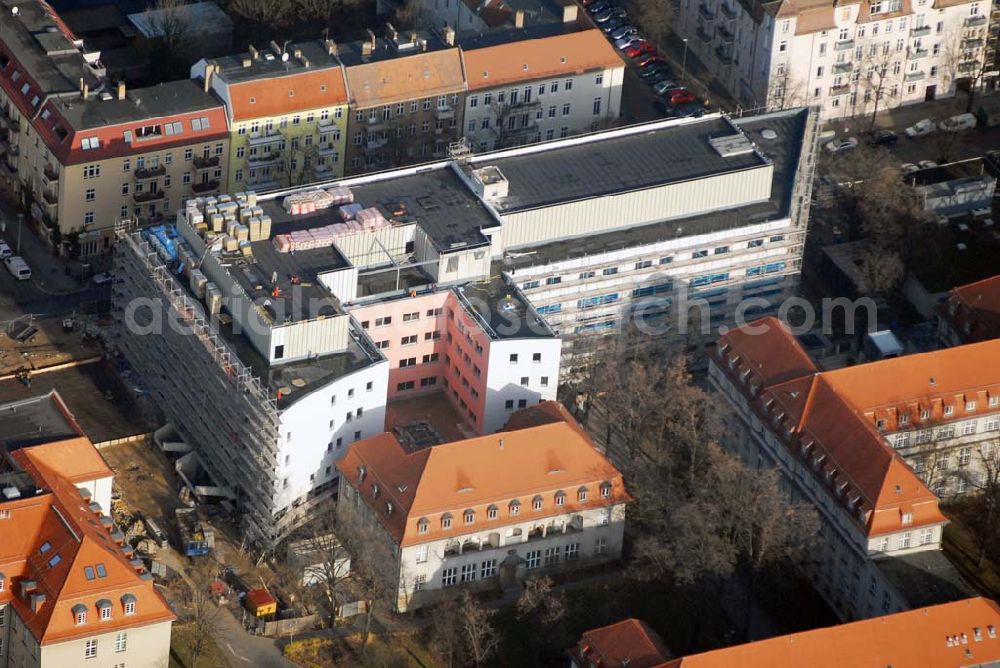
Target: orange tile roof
[[629, 642], [825, 425], [295, 92], [938, 636], [527, 60], [51, 538], [74, 459], [414, 76], [974, 309], [479, 472]]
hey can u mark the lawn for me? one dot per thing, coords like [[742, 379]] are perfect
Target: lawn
[[180, 651]]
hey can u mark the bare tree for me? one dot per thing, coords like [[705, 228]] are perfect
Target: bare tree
[[983, 519], [785, 90], [878, 78], [316, 574], [446, 639], [203, 622], [538, 600], [264, 15], [882, 269], [481, 636], [655, 17], [965, 64], [413, 15], [374, 567]]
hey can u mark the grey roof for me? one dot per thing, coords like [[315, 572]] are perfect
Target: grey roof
[[200, 17], [352, 53], [165, 99], [616, 164], [32, 421], [924, 578], [268, 65], [502, 309], [783, 152]]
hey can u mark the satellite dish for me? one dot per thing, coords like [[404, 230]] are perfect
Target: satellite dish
[[284, 57], [15, 11]]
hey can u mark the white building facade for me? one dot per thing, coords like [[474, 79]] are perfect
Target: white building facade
[[845, 58]]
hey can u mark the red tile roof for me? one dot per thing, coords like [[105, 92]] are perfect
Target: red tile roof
[[295, 92], [974, 309], [963, 633], [824, 419], [74, 459], [629, 642], [477, 473], [56, 541]]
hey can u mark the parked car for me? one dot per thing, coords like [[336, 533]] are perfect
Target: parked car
[[909, 167], [627, 41], [654, 70], [103, 278], [638, 50], [612, 24], [927, 164], [838, 145], [598, 7], [17, 267], [958, 123], [661, 76], [681, 96], [882, 138], [921, 128], [664, 87], [5, 251], [613, 13], [686, 110], [624, 31], [649, 60]]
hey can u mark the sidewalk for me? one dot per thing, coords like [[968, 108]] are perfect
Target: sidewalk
[[902, 117], [48, 272]]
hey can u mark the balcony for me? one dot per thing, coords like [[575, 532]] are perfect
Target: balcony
[[975, 21], [972, 43], [843, 68], [147, 196], [728, 12], [915, 76], [205, 187], [920, 31], [843, 45], [328, 127], [51, 209], [269, 138], [842, 89], [375, 143], [726, 36], [723, 56], [50, 174], [9, 123], [143, 173], [268, 158], [444, 112], [918, 53], [8, 170], [705, 12], [326, 150], [49, 196], [206, 163], [377, 124], [702, 35]]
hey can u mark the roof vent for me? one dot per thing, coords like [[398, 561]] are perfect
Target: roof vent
[[769, 134], [489, 183], [731, 145]]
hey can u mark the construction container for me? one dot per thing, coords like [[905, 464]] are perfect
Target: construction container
[[260, 603], [198, 282], [230, 244], [246, 249], [213, 298]]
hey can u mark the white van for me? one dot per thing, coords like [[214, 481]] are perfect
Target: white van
[[17, 267]]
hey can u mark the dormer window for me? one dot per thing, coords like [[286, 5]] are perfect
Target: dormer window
[[128, 603], [970, 406], [991, 631], [907, 519], [361, 473], [80, 614], [492, 512], [422, 525], [104, 605], [880, 424], [925, 414], [949, 410], [581, 495], [994, 401], [3, 582], [560, 498], [446, 521], [374, 490], [904, 419], [605, 490], [515, 508], [469, 516], [536, 503]]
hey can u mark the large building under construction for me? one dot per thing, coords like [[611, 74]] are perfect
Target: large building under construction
[[286, 317]]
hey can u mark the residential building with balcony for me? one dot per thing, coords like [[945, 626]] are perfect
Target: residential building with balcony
[[287, 113], [407, 94], [845, 58], [487, 511], [962, 633], [540, 89], [72, 592], [85, 152], [971, 313], [835, 438]]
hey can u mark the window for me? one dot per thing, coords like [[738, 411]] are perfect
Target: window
[[89, 143], [419, 582], [533, 559], [600, 545], [81, 617], [449, 577], [926, 536], [782, 47], [469, 516], [446, 521], [408, 340], [599, 79], [968, 429], [904, 540], [422, 526], [381, 322], [565, 109], [89, 195], [121, 642], [581, 494], [572, 552], [513, 358], [90, 649], [130, 605], [964, 456], [515, 508], [552, 555], [106, 612], [509, 404], [469, 572], [488, 569], [88, 218], [91, 171]]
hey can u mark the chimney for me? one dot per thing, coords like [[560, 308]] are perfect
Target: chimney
[[247, 61], [366, 49], [210, 69], [371, 38], [569, 12], [84, 88], [297, 53], [519, 18], [390, 32], [121, 90], [304, 61], [276, 49], [449, 35], [331, 47], [253, 51]]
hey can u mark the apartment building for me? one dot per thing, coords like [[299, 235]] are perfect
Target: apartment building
[[407, 92], [963, 633], [539, 89], [845, 58], [487, 511], [476, 344], [71, 590], [833, 437], [287, 113], [972, 313], [83, 152]]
